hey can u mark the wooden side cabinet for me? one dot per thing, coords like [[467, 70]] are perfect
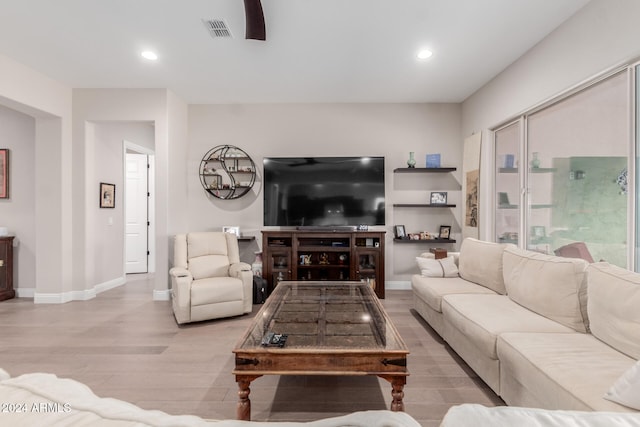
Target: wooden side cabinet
[[324, 255], [6, 268]]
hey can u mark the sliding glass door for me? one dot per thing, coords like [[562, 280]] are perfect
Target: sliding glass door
[[573, 177]]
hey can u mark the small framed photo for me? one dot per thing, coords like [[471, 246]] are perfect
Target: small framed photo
[[4, 173], [107, 195], [399, 232], [445, 232], [438, 197], [232, 229]]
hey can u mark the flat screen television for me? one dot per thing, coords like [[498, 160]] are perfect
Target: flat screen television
[[323, 191]]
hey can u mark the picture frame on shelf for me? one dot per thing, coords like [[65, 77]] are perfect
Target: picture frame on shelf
[[4, 173], [399, 232], [445, 232], [107, 195], [231, 229], [438, 198], [433, 160]]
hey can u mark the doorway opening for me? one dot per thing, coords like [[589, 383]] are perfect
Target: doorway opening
[[139, 209]]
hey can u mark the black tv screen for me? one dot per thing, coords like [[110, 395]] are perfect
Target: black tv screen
[[323, 191]]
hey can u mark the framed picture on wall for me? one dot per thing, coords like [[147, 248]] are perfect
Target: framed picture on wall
[[107, 195], [4, 173]]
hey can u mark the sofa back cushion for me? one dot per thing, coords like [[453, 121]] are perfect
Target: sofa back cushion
[[551, 286], [481, 262], [614, 307]]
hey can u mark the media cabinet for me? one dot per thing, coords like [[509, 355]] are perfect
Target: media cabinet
[[324, 255]]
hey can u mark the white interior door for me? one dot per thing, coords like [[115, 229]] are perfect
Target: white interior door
[[136, 215]]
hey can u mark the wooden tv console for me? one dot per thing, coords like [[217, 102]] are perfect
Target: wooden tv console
[[324, 255]]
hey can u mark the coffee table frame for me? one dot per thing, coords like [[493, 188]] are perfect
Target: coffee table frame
[[255, 361]]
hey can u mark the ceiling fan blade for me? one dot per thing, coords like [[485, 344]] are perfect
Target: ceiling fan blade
[[255, 20]]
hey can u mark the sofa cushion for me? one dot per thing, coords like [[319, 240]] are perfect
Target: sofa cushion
[[614, 307], [552, 286], [626, 389], [481, 262], [443, 267], [483, 317], [432, 289], [473, 414], [560, 371]]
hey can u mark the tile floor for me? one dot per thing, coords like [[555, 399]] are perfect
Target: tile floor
[[124, 345]]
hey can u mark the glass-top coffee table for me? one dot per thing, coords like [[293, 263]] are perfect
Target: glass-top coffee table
[[321, 328]]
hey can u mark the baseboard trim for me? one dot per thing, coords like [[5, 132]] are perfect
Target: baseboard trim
[[25, 292], [397, 285], [85, 295], [110, 284], [164, 295]]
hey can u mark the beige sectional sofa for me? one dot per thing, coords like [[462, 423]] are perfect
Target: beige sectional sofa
[[39, 400], [540, 330]]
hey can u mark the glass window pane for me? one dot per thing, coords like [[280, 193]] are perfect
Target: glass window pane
[[507, 218], [578, 155]]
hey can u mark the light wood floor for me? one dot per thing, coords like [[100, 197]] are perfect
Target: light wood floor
[[124, 345]]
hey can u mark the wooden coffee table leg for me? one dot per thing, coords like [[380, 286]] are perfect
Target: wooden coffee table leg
[[243, 411], [397, 391]]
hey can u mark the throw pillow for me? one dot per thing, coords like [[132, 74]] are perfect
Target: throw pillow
[[626, 390], [444, 267]]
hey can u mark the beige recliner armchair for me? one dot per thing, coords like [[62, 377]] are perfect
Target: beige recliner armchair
[[208, 281]]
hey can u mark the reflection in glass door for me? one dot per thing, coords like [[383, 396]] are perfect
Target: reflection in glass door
[[507, 183]]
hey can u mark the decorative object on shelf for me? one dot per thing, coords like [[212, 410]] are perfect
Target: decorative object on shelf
[[445, 232], [233, 229], [412, 161], [509, 161], [438, 197], [535, 161], [107, 195], [305, 259], [4, 173], [227, 172], [324, 259], [399, 232], [433, 160]]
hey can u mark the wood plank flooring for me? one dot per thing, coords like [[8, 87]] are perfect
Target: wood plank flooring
[[124, 345]]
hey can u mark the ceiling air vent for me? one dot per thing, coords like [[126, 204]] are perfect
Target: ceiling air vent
[[217, 28]]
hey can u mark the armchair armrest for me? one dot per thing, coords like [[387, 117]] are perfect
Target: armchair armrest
[[242, 271], [181, 279], [236, 269]]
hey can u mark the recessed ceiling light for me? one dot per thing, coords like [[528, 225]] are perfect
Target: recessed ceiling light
[[424, 54], [151, 56]]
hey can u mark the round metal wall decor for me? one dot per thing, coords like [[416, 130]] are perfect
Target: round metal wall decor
[[227, 172]]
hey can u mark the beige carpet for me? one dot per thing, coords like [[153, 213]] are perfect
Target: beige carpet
[[124, 345]]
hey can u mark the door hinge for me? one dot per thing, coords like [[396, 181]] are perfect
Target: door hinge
[[148, 253]]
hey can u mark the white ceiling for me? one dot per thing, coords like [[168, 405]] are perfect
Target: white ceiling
[[316, 50]]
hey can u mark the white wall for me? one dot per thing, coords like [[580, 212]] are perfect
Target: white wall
[[49, 102], [94, 108], [18, 134], [107, 226], [389, 130], [601, 36]]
